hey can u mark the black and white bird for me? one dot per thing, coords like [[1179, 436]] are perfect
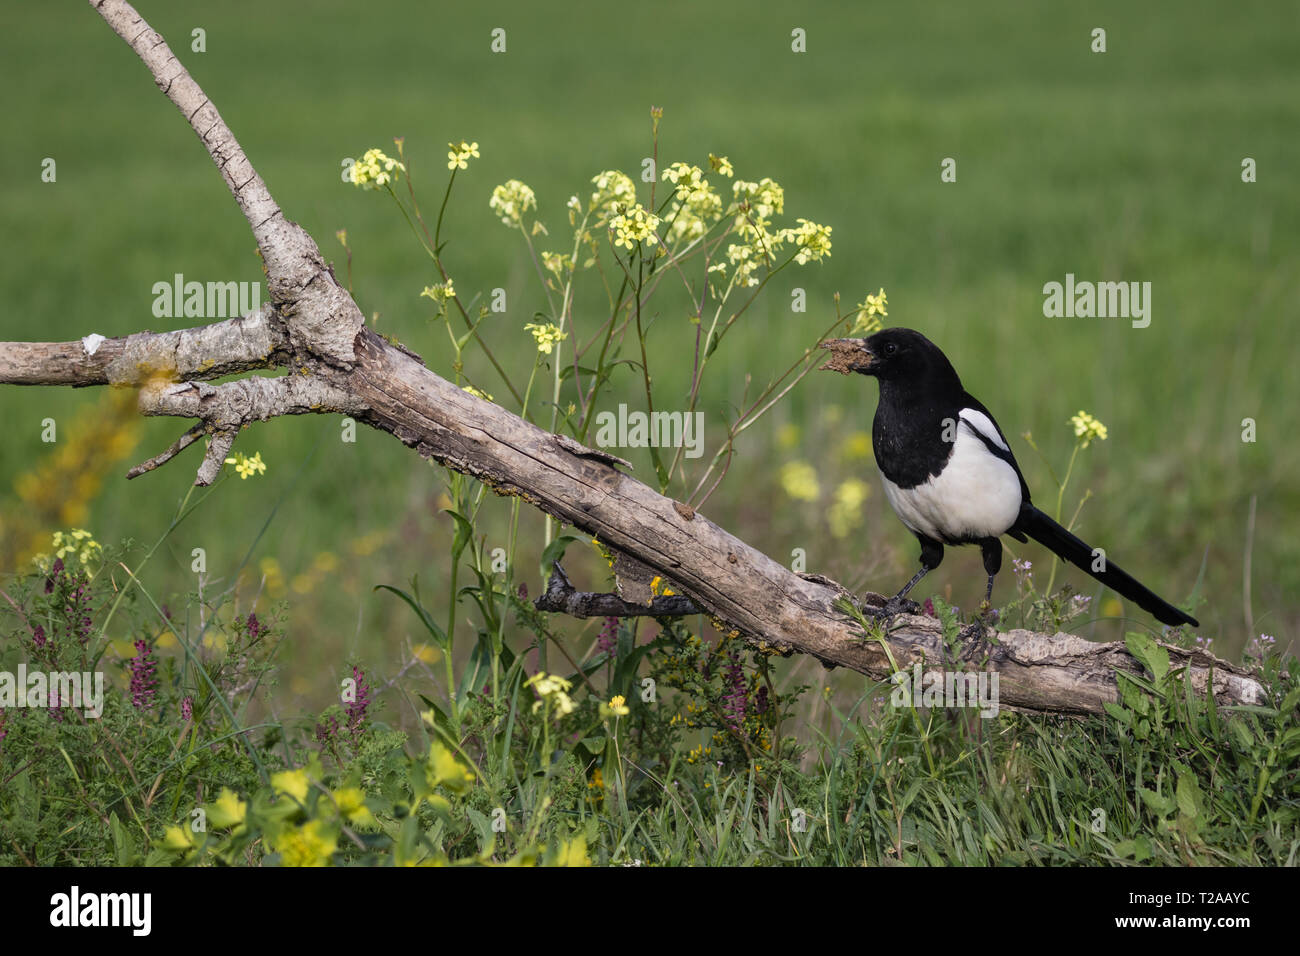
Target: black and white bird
[[949, 472]]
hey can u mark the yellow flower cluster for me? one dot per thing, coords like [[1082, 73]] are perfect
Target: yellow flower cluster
[[477, 393], [247, 467], [720, 164], [1087, 428], [375, 170], [557, 263], [614, 192], [441, 292], [755, 204], [658, 588], [547, 336], [458, 155], [511, 200], [311, 844], [871, 312], [604, 552], [552, 689], [57, 490], [294, 783], [634, 226], [799, 479], [699, 754], [697, 205], [78, 543], [765, 197], [846, 511], [813, 240], [617, 707]]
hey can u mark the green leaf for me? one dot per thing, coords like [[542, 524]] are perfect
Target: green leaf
[[1188, 796], [1123, 715], [434, 630], [464, 532], [121, 842], [1161, 806], [554, 551], [1150, 654]]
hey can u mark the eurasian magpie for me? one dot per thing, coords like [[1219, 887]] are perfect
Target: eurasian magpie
[[949, 472]]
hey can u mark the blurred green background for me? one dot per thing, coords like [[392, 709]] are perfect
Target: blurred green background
[[1117, 166]]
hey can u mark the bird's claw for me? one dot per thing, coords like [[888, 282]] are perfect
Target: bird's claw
[[891, 608], [974, 639]]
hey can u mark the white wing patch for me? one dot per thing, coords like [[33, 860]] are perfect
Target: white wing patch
[[977, 495], [984, 425]]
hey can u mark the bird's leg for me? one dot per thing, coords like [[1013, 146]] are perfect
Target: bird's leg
[[899, 600], [931, 555], [974, 636]]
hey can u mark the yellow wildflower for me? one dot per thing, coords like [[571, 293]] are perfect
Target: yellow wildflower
[[351, 802], [846, 511], [870, 312], [311, 844], [458, 154], [813, 240], [552, 689], [79, 543], [440, 292], [227, 810], [375, 170], [615, 191], [634, 226], [293, 782], [1087, 428], [617, 707], [511, 200], [799, 479], [547, 336], [247, 467], [447, 771]]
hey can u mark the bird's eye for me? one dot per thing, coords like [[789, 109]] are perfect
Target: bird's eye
[[891, 348]]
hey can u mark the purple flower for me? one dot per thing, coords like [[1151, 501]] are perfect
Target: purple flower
[[187, 708], [1261, 646], [326, 732], [733, 701], [38, 636], [55, 570], [608, 639], [928, 608], [77, 613], [254, 626], [356, 709], [1024, 572], [144, 682]]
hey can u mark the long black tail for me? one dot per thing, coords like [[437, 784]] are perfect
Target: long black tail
[[1047, 532]]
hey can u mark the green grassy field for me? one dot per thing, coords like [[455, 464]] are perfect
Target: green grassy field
[[1124, 165]]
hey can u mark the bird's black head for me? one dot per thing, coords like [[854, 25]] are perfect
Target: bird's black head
[[891, 355]]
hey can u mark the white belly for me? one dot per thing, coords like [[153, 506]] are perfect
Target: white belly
[[976, 496]]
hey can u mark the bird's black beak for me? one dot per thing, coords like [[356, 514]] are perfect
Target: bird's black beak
[[848, 355]]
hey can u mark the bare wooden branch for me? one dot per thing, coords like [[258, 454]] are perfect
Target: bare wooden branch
[[253, 341], [337, 365], [560, 597], [176, 447]]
